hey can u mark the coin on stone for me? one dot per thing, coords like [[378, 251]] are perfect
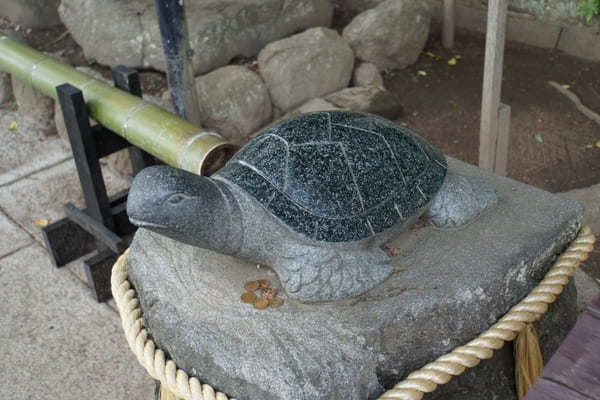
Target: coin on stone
[[248, 297], [269, 292], [263, 283], [251, 286], [261, 303], [275, 302]]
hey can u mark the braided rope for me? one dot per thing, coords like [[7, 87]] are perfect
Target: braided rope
[[422, 381], [172, 378], [530, 309]]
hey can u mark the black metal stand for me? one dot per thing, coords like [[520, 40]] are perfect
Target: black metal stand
[[103, 225]]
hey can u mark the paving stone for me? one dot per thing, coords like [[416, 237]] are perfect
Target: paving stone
[[12, 236], [5, 87], [26, 149], [33, 103], [56, 341], [43, 194], [590, 198]]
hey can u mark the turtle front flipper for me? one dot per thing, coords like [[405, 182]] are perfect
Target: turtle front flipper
[[460, 200], [336, 275]]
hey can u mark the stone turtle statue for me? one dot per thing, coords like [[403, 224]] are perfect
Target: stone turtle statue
[[313, 197]]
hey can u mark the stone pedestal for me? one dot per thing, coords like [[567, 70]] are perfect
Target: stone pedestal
[[448, 286]]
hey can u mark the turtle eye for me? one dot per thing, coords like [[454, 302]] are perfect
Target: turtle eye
[[176, 198]]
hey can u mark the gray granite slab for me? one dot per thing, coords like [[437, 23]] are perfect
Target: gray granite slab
[[11, 236], [448, 286], [56, 341]]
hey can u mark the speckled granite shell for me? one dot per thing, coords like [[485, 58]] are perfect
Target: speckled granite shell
[[338, 176]]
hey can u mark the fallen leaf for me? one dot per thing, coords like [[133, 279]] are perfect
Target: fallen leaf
[[538, 138], [452, 61], [597, 144], [458, 56], [433, 55], [40, 223], [421, 73], [13, 126], [566, 86]]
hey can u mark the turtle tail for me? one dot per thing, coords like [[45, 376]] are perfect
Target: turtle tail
[[338, 274]]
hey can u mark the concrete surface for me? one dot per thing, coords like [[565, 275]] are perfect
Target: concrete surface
[[56, 342], [25, 147]]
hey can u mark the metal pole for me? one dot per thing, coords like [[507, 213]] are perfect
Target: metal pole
[[178, 57]]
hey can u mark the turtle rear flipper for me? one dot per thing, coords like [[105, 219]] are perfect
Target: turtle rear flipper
[[460, 200], [339, 274]]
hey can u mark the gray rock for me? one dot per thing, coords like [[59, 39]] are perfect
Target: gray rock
[[367, 74], [358, 6], [31, 13], [234, 101], [37, 106], [460, 200], [26, 148], [307, 65], [392, 35], [447, 287], [315, 105], [5, 88], [126, 32], [371, 99]]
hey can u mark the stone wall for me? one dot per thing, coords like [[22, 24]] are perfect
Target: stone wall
[[551, 24]]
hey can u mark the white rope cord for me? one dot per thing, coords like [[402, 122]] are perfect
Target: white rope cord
[[425, 380], [151, 358]]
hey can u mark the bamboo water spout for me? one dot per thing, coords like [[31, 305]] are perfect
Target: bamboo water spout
[[166, 136]]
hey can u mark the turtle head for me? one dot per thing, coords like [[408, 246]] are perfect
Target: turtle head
[[186, 207]]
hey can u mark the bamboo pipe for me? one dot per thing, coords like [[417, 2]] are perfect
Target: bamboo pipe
[[164, 135]]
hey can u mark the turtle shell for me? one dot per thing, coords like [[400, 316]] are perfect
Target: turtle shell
[[338, 176]]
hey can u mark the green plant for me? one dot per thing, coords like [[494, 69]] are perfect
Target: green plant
[[588, 9]]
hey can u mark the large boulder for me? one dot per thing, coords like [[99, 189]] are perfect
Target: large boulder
[[307, 65], [391, 35], [447, 288], [31, 13], [126, 32], [234, 101], [371, 99], [367, 74]]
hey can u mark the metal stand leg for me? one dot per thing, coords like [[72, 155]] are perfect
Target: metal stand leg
[[103, 225]]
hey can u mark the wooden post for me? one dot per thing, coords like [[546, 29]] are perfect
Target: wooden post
[[178, 57], [501, 161], [449, 22], [492, 84]]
